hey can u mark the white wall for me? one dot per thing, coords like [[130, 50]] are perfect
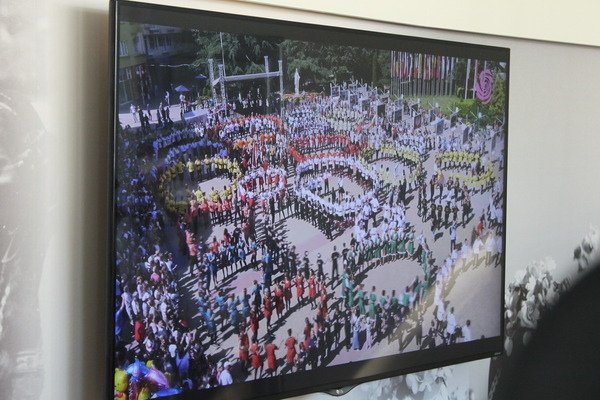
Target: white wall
[[572, 21], [553, 189]]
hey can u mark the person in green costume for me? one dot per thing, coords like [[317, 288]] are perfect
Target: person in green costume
[[344, 286], [388, 247], [360, 249], [372, 302], [405, 300], [378, 247], [371, 311], [383, 247], [393, 299], [424, 260], [350, 293], [372, 251], [360, 296], [423, 286], [394, 244], [410, 246], [383, 300], [402, 245], [425, 254]]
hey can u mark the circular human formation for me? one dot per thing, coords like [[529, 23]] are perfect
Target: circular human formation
[[405, 155], [262, 184], [198, 171], [314, 172]]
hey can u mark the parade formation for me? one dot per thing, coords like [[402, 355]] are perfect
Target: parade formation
[[255, 241]]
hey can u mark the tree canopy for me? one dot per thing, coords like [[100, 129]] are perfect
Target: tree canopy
[[240, 53], [320, 63], [317, 63]]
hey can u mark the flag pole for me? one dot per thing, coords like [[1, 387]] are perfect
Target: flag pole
[[467, 80], [474, 78]]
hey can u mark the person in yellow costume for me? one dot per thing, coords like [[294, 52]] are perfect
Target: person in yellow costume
[[206, 169], [191, 167], [199, 195], [188, 193], [144, 394], [227, 192], [214, 195], [167, 176], [121, 380]]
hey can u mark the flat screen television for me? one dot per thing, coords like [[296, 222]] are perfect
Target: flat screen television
[[270, 237]]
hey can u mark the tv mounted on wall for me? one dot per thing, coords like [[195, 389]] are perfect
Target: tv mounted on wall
[[299, 208]]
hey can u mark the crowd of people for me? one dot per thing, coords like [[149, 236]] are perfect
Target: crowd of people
[[174, 233]]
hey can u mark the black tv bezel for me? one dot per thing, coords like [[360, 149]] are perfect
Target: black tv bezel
[[337, 379]]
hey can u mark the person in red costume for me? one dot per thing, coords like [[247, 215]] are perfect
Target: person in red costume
[[290, 345], [270, 348], [256, 359]]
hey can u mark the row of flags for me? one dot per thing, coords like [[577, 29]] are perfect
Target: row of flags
[[410, 66]]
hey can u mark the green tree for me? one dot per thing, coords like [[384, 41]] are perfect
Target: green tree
[[319, 63], [492, 112], [240, 53], [497, 107]]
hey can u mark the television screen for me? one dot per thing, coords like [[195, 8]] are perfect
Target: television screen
[[271, 239]]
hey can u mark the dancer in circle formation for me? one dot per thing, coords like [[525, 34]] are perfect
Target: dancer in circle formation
[[203, 270]]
